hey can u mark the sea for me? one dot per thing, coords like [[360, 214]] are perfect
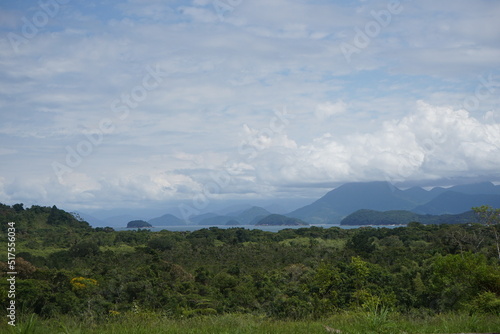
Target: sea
[[191, 228]]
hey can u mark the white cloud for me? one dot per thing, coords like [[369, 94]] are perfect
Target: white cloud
[[200, 14], [7, 151], [79, 183], [327, 109], [434, 142]]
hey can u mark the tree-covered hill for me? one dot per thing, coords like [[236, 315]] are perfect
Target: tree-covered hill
[[37, 217], [402, 217], [280, 220], [138, 224]]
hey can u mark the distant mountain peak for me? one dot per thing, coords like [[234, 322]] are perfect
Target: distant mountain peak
[[280, 220], [167, 220], [252, 215], [374, 187], [384, 196]]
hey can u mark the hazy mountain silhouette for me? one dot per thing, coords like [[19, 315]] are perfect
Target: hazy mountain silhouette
[[252, 215], [452, 202], [167, 220], [217, 220], [419, 195], [341, 201], [95, 222], [246, 217], [280, 220], [199, 218], [348, 198], [119, 221], [482, 188], [382, 196]]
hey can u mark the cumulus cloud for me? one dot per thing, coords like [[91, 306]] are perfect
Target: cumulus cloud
[[327, 109], [431, 143], [200, 14]]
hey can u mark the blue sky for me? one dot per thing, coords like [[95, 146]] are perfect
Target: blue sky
[[139, 103]]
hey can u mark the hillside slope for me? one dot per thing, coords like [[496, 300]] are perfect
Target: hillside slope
[[336, 204], [402, 217]]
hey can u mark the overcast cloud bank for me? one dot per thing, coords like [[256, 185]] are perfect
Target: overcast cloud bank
[[139, 102]]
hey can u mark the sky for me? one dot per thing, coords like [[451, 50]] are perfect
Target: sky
[[114, 104]]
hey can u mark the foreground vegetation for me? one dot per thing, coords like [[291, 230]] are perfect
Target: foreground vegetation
[[346, 322], [415, 279]]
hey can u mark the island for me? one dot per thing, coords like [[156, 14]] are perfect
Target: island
[[402, 217], [139, 224], [233, 222], [280, 220]]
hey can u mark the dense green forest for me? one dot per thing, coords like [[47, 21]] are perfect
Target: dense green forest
[[65, 268], [403, 217]]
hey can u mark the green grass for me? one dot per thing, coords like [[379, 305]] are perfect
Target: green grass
[[42, 251], [47, 251], [380, 322], [337, 244], [119, 249]]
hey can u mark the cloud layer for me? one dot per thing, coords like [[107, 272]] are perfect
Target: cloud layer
[[150, 101]]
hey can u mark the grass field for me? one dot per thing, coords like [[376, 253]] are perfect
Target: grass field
[[348, 322]]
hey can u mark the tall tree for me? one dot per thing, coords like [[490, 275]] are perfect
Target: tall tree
[[490, 217]]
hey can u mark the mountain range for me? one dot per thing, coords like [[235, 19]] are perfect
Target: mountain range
[[250, 216], [383, 196], [345, 200]]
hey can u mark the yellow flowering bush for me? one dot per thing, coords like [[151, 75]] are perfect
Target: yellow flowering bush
[[83, 283]]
